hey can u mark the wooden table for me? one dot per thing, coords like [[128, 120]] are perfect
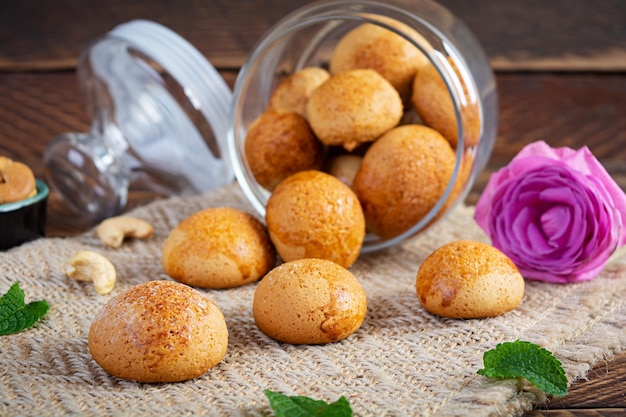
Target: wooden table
[[560, 66]]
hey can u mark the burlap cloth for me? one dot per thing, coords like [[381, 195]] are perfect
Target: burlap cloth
[[402, 362]]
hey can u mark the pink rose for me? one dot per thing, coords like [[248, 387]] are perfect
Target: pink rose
[[556, 213]]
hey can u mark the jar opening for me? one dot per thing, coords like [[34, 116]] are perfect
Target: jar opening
[[307, 38]]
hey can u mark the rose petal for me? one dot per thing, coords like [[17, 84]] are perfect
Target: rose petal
[[499, 180], [534, 149], [555, 212], [614, 198], [555, 224]]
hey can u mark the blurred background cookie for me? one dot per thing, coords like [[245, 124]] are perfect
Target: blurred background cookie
[[375, 47]]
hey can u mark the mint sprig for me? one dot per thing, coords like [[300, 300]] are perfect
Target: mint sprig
[[15, 315], [301, 406], [527, 360]]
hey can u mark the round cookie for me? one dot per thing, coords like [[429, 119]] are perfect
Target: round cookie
[[432, 101], [401, 178], [312, 214], [467, 279], [293, 92], [158, 331], [309, 301], [219, 247], [17, 181], [375, 47], [353, 107], [281, 143]]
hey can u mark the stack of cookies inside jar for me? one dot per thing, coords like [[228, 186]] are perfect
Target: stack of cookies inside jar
[[380, 119]]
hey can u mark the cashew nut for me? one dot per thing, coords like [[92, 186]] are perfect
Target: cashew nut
[[17, 181], [93, 267], [114, 230]]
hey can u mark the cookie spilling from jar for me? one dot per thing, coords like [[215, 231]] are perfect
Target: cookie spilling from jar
[[312, 214], [380, 120]]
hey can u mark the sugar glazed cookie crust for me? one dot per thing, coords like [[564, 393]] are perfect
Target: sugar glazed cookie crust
[[158, 331]]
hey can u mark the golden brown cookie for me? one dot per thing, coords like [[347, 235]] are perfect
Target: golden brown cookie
[[402, 177], [375, 47], [353, 107], [312, 214], [433, 103], [219, 247], [309, 301], [17, 181], [293, 92], [467, 279], [158, 331], [279, 144]]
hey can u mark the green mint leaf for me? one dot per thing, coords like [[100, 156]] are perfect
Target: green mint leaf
[[16, 316], [522, 359], [300, 406]]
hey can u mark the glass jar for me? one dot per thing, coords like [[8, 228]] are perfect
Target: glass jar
[[159, 119], [307, 37], [142, 74]]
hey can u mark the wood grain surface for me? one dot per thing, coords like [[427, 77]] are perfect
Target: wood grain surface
[[530, 34], [560, 69]]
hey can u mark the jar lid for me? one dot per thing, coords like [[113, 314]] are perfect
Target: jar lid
[[202, 83], [161, 117]]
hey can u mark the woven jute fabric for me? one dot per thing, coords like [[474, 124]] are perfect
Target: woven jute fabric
[[403, 361]]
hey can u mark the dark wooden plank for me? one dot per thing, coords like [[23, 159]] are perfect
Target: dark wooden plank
[[533, 34], [548, 35], [39, 34], [604, 387]]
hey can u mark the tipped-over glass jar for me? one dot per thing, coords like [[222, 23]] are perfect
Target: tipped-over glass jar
[[456, 97]]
